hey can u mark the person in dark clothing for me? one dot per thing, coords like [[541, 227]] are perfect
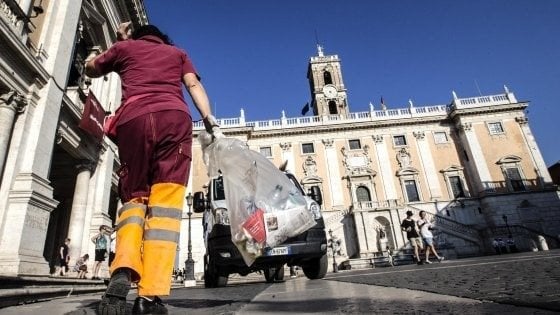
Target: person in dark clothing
[[409, 226], [63, 258]]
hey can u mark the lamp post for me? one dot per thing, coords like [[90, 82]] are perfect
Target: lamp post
[[507, 225], [189, 263], [333, 247]]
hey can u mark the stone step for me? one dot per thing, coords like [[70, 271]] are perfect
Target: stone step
[[28, 289]]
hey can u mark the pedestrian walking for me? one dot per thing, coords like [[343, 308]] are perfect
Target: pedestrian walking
[[100, 242], [409, 226], [154, 139], [81, 266], [426, 231], [63, 258]]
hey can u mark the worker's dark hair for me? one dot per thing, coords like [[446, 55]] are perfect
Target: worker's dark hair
[[151, 30]]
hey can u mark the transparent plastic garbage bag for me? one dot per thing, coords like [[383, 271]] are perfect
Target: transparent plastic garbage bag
[[265, 208]]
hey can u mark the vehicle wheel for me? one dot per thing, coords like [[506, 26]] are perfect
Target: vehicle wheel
[[316, 268], [212, 279], [274, 273]]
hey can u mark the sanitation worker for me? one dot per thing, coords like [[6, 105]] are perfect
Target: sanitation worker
[[154, 138]]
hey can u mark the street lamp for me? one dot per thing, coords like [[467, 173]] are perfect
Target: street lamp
[[334, 248], [189, 263], [507, 225]]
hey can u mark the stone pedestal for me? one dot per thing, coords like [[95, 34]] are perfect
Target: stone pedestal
[[25, 229]]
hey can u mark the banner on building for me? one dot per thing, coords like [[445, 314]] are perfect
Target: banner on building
[[93, 117]]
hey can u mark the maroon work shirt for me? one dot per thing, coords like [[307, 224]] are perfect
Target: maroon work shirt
[[147, 66]]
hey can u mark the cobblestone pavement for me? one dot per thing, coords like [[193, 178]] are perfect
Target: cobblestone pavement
[[523, 279], [525, 283]]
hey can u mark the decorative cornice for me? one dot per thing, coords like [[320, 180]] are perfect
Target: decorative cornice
[[328, 143], [464, 126], [420, 135], [377, 138], [13, 100], [86, 165], [286, 146], [522, 120]]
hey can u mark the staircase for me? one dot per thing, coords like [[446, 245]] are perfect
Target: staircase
[[452, 227], [28, 289]]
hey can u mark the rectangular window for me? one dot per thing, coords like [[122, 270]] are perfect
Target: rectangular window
[[354, 144], [399, 140], [266, 151], [495, 128], [514, 178], [411, 191], [440, 137], [307, 148], [456, 186]]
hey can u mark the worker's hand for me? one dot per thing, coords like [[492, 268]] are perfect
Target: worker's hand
[[124, 31], [212, 127]]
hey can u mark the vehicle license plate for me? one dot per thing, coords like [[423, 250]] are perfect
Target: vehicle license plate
[[276, 251]]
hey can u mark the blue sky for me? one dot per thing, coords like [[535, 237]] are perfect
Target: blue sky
[[253, 54]]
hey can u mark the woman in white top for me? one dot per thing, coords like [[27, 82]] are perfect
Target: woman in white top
[[425, 227]]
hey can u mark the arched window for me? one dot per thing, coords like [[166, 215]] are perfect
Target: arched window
[[362, 194], [332, 108], [327, 77]]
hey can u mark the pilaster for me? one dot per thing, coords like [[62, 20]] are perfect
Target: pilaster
[[385, 169], [540, 166], [477, 161], [288, 155], [427, 162], [333, 165]]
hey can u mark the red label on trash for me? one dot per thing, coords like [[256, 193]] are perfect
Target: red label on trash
[[255, 226]]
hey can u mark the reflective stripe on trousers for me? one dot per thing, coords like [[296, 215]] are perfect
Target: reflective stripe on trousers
[[161, 235], [130, 233]]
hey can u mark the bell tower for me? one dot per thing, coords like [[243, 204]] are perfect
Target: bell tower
[[328, 94]]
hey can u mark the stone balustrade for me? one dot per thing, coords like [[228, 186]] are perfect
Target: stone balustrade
[[366, 116]]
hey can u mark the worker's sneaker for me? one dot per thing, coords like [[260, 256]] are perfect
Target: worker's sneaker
[[113, 301], [143, 305], [428, 262], [441, 258]]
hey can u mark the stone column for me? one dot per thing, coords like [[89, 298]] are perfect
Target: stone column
[[11, 104], [427, 162], [385, 169], [335, 185], [477, 165], [79, 204]]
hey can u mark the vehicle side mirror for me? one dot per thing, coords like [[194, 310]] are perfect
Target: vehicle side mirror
[[315, 194], [199, 202]]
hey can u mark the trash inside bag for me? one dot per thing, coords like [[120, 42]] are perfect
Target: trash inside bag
[[265, 207]]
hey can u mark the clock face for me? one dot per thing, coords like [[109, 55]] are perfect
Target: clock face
[[330, 91]]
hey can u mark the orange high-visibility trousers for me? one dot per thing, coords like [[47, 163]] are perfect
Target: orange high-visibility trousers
[[147, 240], [161, 235], [130, 234]]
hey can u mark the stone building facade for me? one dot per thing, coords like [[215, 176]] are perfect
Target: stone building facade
[[473, 164], [57, 181]]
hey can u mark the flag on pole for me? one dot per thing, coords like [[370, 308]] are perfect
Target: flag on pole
[[305, 108]]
